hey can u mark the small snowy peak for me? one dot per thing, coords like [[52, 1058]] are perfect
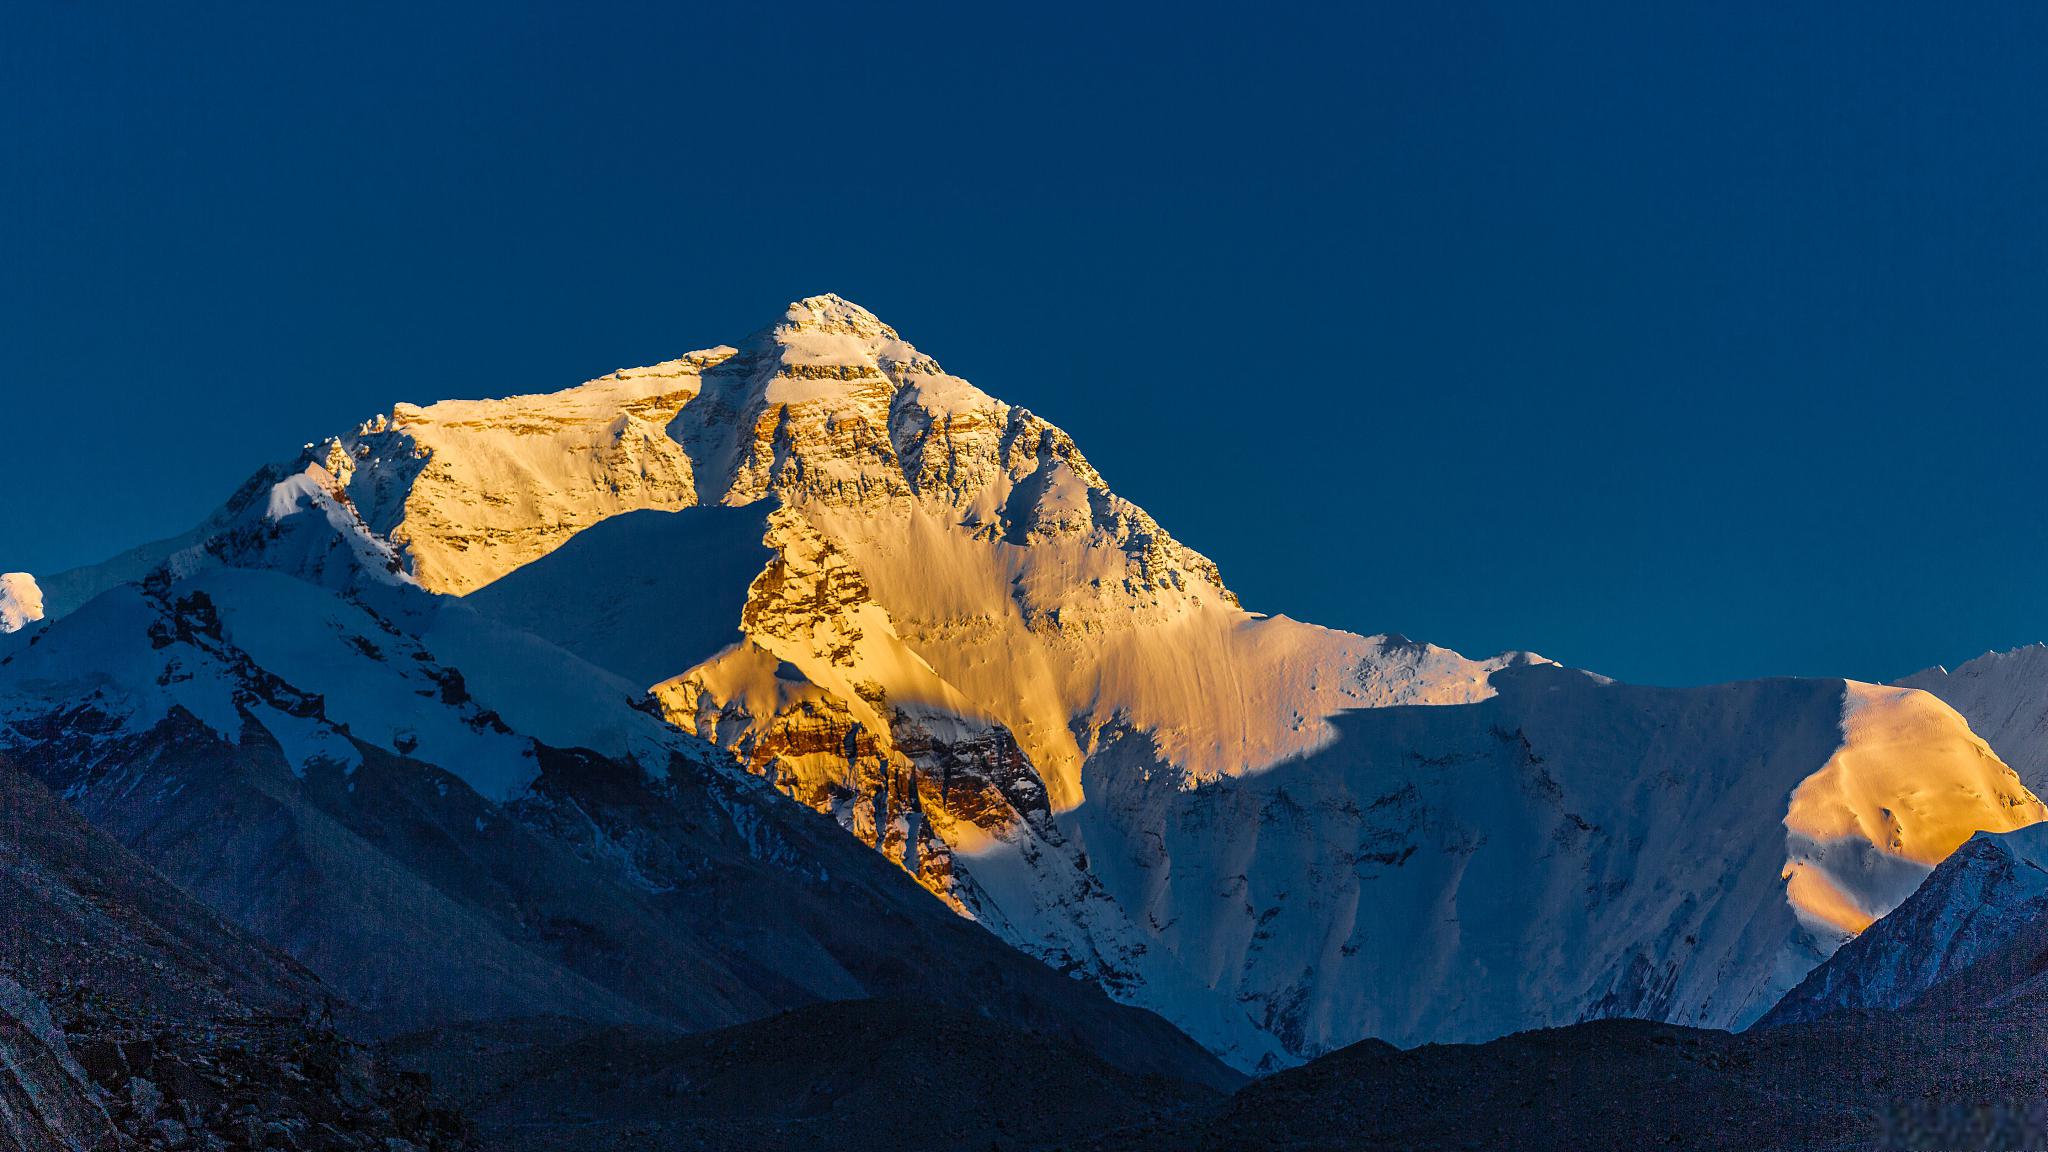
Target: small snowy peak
[[21, 601], [2027, 846], [828, 331], [1621, 847], [1909, 784], [305, 526], [1413, 672], [834, 315], [823, 338]]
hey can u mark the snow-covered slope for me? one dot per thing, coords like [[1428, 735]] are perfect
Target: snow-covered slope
[[21, 602], [2004, 695], [1564, 850], [450, 819], [1987, 899], [1985, 894], [1379, 885], [922, 611], [1908, 784]]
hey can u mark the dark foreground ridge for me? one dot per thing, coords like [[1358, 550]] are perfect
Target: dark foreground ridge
[[861, 1075], [876, 1075]]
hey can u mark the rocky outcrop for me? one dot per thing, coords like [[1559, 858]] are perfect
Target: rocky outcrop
[[132, 1016], [46, 1100]]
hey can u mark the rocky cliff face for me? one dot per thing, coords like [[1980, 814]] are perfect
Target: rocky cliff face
[[921, 611]]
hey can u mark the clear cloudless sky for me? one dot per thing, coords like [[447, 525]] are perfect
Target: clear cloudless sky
[[1681, 342]]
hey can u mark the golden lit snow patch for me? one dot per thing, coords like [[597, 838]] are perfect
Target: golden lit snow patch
[[21, 601], [1908, 785]]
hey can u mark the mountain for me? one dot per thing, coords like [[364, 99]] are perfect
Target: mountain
[[816, 559], [1972, 932], [1925, 1030], [1680, 855], [1972, 935], [131, 1015], [450, 821], [2004, 695], [21, 602]]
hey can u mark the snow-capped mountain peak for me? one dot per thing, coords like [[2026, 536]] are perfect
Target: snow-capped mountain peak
[[923, 612], [832, 312], [825, 346], [21, 601]]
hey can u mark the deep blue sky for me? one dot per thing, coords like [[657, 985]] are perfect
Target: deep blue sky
[[1679, 343]]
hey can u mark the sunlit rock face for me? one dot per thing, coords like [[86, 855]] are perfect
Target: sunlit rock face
[[922, 611], [21, 601], [470, 490]]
